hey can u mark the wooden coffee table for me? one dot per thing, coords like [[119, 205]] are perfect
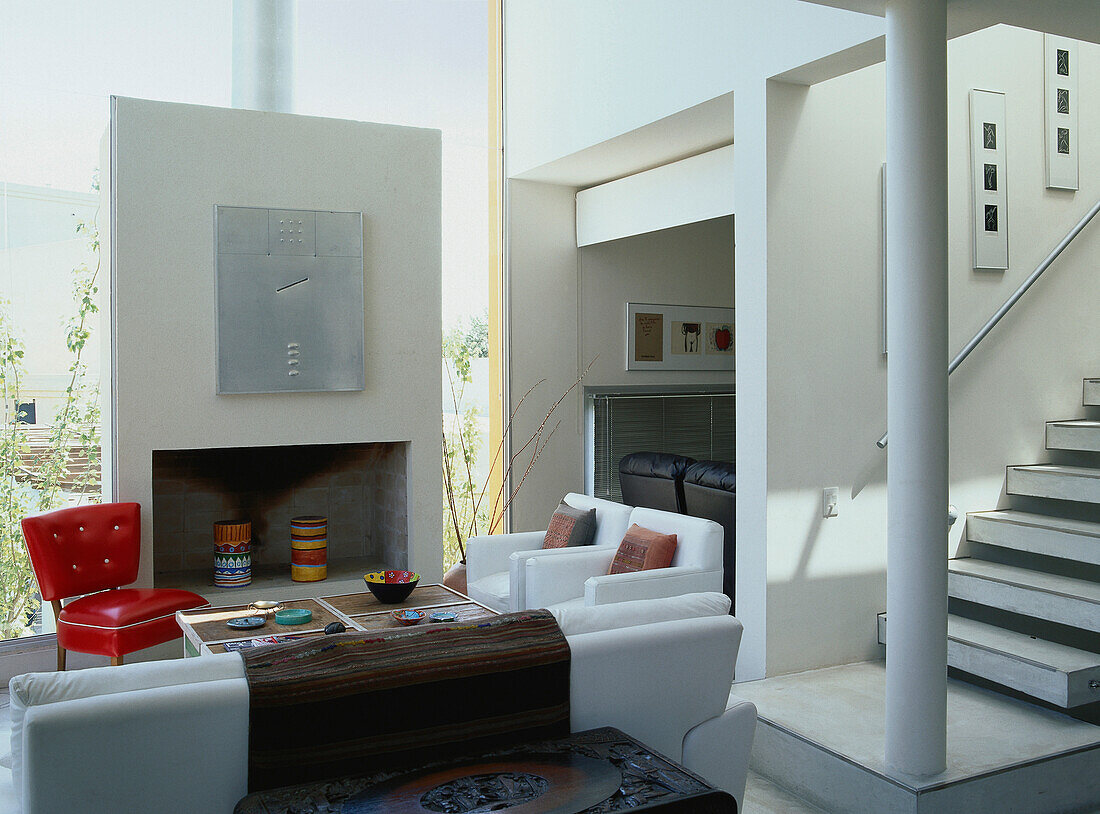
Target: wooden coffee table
[[205, 631]]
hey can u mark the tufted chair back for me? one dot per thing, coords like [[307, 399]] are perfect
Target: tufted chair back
[[84, 549]]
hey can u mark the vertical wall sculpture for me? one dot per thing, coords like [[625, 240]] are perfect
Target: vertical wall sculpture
[[1060, 76], [989, 179]]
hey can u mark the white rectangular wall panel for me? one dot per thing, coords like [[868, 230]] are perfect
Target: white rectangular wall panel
[[989, 179], [694, 189], [1061, 102]]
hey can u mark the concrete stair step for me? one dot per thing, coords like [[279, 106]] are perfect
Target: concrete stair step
[[1077, 483], [1065, 600], [1077, 540], [1081, 435], [1091, 393], [1045, 670]]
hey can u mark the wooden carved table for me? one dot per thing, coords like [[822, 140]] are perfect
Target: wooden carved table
[[599, 771], [205, 631]]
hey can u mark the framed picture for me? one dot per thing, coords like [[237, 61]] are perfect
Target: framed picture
[[678, 337], [989, 180]]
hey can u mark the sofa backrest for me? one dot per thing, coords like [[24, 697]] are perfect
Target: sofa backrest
[[710, 492], [612, 519], [654, 480], [698, 540]]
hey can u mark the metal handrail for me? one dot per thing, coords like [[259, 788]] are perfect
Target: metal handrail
[[1004, 309]]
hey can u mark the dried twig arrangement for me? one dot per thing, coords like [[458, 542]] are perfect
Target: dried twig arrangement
[[526, 456]]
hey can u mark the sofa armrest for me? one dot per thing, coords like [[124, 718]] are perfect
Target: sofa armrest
[[655, 682], [653, 584], [489, 555], [551, 580], [138, 751], [719, 749], [517, 578]]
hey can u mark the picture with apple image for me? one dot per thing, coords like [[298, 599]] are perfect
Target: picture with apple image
[[719, 337]]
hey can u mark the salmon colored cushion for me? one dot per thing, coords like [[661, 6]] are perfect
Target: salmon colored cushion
[[643, 550]]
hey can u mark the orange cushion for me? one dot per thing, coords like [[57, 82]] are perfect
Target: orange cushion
[[642, 550]]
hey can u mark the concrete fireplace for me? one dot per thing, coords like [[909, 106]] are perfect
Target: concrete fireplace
[[370, 460]]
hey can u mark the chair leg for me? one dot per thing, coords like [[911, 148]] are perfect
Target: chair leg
[[116, 661], [60, 650]]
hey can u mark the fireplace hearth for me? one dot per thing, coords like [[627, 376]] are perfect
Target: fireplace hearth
[[360, 488]]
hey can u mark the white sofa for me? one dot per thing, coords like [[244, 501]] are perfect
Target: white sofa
[[495, 566], [172, 736], [581, 577]]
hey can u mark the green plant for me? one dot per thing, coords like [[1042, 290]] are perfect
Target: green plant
[[463, 514], [35, 478]]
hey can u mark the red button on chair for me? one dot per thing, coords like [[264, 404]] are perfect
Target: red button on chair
[[88, 552]]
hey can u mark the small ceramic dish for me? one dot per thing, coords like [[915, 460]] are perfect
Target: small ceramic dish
[[293, 616], [443, 616], [407, 617], [246, 622], [266, 606]]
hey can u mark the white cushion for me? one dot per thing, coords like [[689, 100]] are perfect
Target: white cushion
[[492, 590], [574, 617]]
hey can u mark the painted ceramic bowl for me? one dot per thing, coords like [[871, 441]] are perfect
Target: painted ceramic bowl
[[391, 587], [407, 616], [246, 622], [293, 616]]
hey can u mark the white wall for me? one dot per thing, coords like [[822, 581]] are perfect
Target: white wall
[[579, 72], [688, 191], [170, 165], [542, 320], [826, 376], [575, 302]]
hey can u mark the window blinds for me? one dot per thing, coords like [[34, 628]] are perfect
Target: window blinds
[[700, 426]]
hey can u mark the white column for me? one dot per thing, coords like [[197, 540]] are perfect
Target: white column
[[916, 254], [263, 54]]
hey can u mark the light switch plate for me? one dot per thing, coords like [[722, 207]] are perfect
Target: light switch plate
[[830, 501]]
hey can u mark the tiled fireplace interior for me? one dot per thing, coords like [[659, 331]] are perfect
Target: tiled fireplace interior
[[360, 488]]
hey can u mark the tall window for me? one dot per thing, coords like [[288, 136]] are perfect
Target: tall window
[[698, 425], [417, 62]]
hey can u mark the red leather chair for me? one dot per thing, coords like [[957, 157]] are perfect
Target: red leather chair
[[88, 552]]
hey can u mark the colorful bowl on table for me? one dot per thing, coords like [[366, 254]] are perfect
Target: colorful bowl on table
[[293, 616], [407, 617], [391, 587]]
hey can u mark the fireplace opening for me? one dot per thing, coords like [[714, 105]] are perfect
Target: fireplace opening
[[359, 488]]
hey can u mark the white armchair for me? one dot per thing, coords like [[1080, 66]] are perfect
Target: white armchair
[[495, 566], [580, 576]]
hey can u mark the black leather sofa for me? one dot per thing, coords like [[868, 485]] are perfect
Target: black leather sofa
[[710, 491], [654, 480]]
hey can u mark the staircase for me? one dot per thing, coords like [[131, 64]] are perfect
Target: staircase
[[1024, 605]]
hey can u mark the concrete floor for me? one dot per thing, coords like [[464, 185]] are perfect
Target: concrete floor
[[843, 709]]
